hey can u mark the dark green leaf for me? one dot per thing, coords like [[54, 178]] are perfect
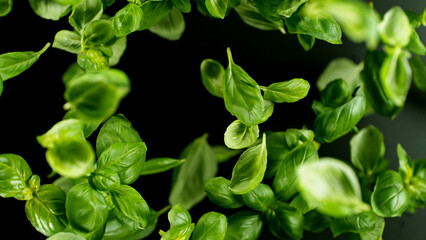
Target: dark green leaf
[[85, 12], [98, 32], [14, 174], [183, 5], [419, 72], [395, 28], [127, 20], [158, 165], [245, 225], [218, 192], [285, 222], [314, 221], [306, 41], [5, 7], [104, 179], [211, 226], [49, 9], [359, 223], [73, 71], [269, 9], [46, 210], [68, 41], [288, 7], [217, 8], [238, 135], [213, 77], [260, 199], [252, 17], [336, 93], [171, 27], [377, 232], [65, 236], [406, 165], [154, 12], [341, 68], [288, 91], [223, 154], [277, 149]]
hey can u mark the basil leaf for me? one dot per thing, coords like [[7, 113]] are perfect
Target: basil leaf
[[269, 9], [288, 7], [14, 63], [155, 12], [130, 208], [5, 7], [88, 126], [213, 77], [85, 12], [181, 225], [116, 130], [217, 8], [65, 236], [406, 165], [419, 72], [245, 225], [46, 210], [49, 9], [117, 51], [92, 60], [377, 232], [218, 192], [73, 71], [87, 211], [200, 165], [68, 41], [171, 27], [389, 198], [127, 20], [242, 95], [341, 68], [395, 28], [416, 46], [98, 32], [70, 128], [1, 86], [331, 186], [300, 204], [285, 222], [277, 149], [252, 17], [211, 226], [268, 109], [127, 159], [238, 135], [333, 124], [182, 5], [285, 181], [104, 179], [260, 199], [335, 94], [15, 173], [314, 221], [306, 41], [288, 91], [158, 165], [417, 187], [358, 223], [67, 2], [183, 233], [223, 154]]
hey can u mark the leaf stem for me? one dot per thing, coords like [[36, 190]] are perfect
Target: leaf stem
[[163, 210]]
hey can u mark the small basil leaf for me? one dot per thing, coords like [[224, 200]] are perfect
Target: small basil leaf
[[127, 20], [341, 68], [217, 8], [15, 173], [358, 223], [250, 168], [416, 46], [238, 135], [5, 7], [306, 41], [199, 166], [218, 192], [296, 137], [179, 216], [68, 41], [300, 204], [389, 198], [419, 72], [155, 12], [65, 236], [260, 199], [245, 225], [127, 159], [336, 93], [98, 32], [252, 17], [85, 12], [285, 222], [1, 86], [223, 154], [88, 126], [171, 27], [377, 232], [104, 179], [183, 5], [92, 60], [49, 9], [213, 77], [117, 51], [46, 210], [277, 149], [288, 91], [288, 7], [406, 165], [242, 95], [395, 28], [331, 186], [211, 226], [129, 207], [269, 9], [14, 63], [70, 128], [417, 186], [158, 165]]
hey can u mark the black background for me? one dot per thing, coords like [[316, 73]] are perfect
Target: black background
[[168, 104]]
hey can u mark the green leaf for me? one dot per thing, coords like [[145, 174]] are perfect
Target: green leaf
[[285, 222], [155, 12], [269, 9], [419, 72], [335, 94], [242, 95], [70, 128], [5, 7], [250, 168], [260, 199], [285, 181], [223, 154], [87, 211], [300, 204], [73, 71], [359, 223], [368, 150], [316, 222], [218, 192], [14, 174], [88, 126], [127, 20], [104, 179], [85, 12], [252, 17], [316, 24], [213, 77], [49, 9], [46, 210], [217, 8], [182, 5], [92, 60], [238, 135], [98, 32], [1, 86], [199, 166], [14, 63], [244, 225], [288, 7], [211, 226], [277, 149], [181, 225], [288, 91], [406, 165], [341, 68], [377, 232], [65, 236], [331, 186], [395, 28], [130, 208], [117, 51], [171, 27], [416, 46], [306, 41], [127, 159], [68, 41], [333, 124], [417, 187], [159, 165]]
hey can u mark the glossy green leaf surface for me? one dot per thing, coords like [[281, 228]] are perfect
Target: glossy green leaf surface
[[213, 77], [183, 5], [65, 236], [218, 192], [49, 9], [85, 12], [5, 7], [260, 199], [159, 165], [14, 174], [238, 135], [244, 225], [217, 8], [406, 165], [211, 226], [395, 28], [288, 7], [285, 222], [155, 12], [98, 32], [306, 41], [340, 68], [181, 225], [336, 93], [104, 179], [224, 154], [288, 91], [127, 20], [358, 223], [171, 27], [68, 41]]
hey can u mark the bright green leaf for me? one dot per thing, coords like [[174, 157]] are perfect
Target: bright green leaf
[[340, 68], [217, 8], [285, 222], [213, 77], [288, 7], [98, 32], [395, 28], [288, 91], [183, 5], [211, 226], [14, 174], [306, 41], [85, 12], [127, 20], [104, 179], [244, 225], [359, 223], [419, 72], [5, 7], [158, 165], [406, 165], [252, 17], [218, 192], [68, 41], [171, 27], [260, 199], [49, 9], [155, 12], [238, 135]]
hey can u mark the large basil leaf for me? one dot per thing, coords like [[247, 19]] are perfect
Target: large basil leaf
[[252, 17], [331, 186], [183, 5], [358, 223], [98, 32], [218, 192], [69, 128], [130, 208], [46, 210], [285, 181], [14, 63], [65, 236], [389, 198], [288, 91], [242, 95], [68, 41], [211, 226], [5, 7], [49, 9], [127, 20], [395, 28], [127, 159], [341, 68], [199, 166], [260, 199], [14, 174], [217, 8], [419, 72], [238, 135], [154, 12], [285, 222], [158, 165], [84, 12], [250, 168], [104, 179], [245, 225], [171, 27], [213, 77]]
